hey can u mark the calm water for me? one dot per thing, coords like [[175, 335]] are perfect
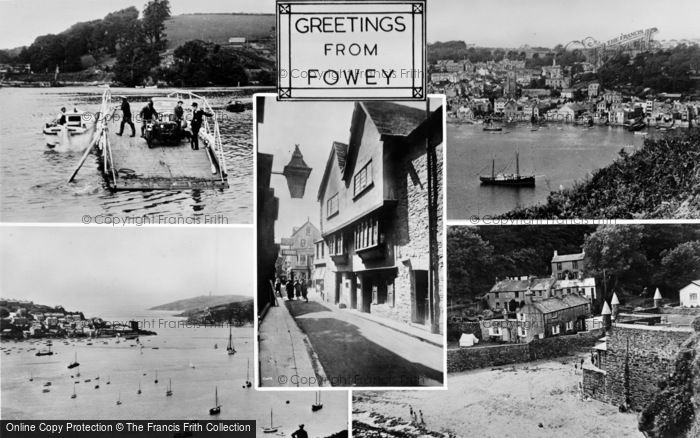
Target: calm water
[[558, 155], [124, 365], [33, 178]]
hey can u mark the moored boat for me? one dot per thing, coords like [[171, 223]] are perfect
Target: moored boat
[[216, 410], [230, 348], [72, 131], [272, 428], [503, 179], [317, 406]]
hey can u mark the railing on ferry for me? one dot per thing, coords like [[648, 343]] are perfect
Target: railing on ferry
[[213, 131]]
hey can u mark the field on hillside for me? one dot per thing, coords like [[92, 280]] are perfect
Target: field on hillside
[[218, 28]]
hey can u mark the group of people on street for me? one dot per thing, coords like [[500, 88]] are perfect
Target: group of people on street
[[149, 114], [293, 288]]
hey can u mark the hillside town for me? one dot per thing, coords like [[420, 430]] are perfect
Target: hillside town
[[21, 319], [518, 87]]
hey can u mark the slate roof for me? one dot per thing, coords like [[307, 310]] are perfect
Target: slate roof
[[509, 285], [341, 153], [567, 257], [394, 119], [556, 304]]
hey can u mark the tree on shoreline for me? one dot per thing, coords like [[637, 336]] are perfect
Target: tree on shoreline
[[154, 15]]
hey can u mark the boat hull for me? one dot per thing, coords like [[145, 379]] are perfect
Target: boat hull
[[523, 181], [64, 138]]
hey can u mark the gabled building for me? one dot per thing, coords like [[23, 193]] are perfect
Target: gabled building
[[510, 293], [552, 317], [373, 202], [298, 251], [568, 266]]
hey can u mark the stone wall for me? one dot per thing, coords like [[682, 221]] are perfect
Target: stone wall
[[680, 310], [468, 358], [594, 384], [562, 345], [637, 357], [462, 359]]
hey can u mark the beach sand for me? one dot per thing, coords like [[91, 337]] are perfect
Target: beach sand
[[536, 399]]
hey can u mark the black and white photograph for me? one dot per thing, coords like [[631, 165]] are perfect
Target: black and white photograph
[[135, 325], [583, 109], [350, 243], [557, 331], [124, 110]]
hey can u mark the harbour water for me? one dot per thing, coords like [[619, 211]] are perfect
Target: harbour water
[[558, 154], [185, 355], [34, 185]]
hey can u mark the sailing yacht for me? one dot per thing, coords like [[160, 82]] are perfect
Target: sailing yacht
[[248, 383], [230, 349], [119, 399], [271, 429], [216, 410], [139, 391], [169, 392], [318, 405], [156, 381], [74, 363], [74, 395]]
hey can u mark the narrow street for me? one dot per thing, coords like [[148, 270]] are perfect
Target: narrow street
[[356, 351]]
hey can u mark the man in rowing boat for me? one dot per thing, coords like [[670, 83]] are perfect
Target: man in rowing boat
[[126, 118], [148, 114], [196, 123]]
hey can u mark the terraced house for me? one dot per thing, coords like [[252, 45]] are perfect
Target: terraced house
[[380, 199]]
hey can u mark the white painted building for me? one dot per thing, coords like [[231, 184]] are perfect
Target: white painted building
[[690, 295]]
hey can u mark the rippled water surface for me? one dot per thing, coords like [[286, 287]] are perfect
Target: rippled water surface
[[33, 179]]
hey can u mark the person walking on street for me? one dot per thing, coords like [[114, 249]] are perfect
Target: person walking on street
[[304, 290], [289, 287], [300, 433], [196, 123], [148, 114], [297, 289], [278, 288], [126, 118]]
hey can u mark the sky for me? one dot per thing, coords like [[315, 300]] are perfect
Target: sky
[[501, 23], [314, 126], [98, 269]]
